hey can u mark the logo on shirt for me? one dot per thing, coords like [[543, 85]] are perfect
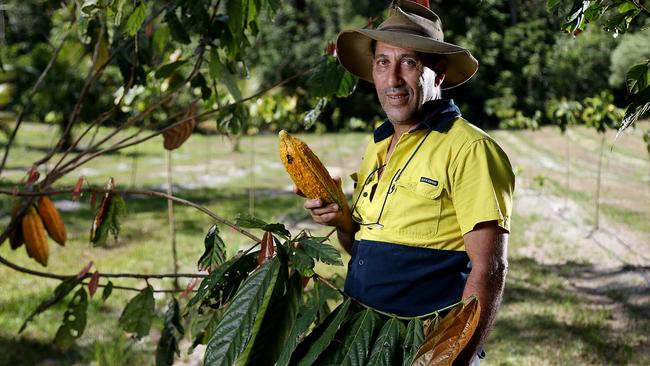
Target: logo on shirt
[[433, 182]]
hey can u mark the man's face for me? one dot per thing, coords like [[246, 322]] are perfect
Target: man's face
[[402, 82]]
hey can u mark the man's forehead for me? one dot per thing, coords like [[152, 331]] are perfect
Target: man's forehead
[[386, 49]]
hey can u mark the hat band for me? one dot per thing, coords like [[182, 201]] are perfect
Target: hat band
[[408, 30]]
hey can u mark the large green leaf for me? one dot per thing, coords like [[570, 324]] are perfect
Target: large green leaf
[[251, 222], [321, 337], [60, 292], [387, 344], [215, 250], [167, 69], [308, 313], [302, 262], [219, 71], [324, 80], [178, 32], [638, 77], [347, 83], [355, 340], [226, 277], [168, 343], [318, 250], [237, 325], [74, 320], [138, 313], [412, 340], [278, 324], [136, 19]]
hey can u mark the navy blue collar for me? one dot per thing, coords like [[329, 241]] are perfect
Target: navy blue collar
[[442, 114]]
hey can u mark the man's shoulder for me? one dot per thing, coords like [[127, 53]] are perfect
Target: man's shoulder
[[465, 131]]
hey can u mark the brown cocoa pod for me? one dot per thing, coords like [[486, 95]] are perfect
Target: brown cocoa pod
[[35, 237]]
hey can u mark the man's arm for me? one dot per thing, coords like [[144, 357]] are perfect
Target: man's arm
[[487, 247]]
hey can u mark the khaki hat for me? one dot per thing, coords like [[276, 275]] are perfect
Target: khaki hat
[[410, 26]]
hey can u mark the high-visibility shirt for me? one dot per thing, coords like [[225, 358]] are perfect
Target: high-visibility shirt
[[443, 177]]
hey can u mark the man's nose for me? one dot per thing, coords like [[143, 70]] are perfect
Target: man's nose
[[395, 78]]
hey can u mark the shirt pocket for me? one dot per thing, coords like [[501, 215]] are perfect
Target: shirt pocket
[[415, 207]]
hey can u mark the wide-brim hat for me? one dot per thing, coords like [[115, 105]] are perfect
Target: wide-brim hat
[[410, 26]]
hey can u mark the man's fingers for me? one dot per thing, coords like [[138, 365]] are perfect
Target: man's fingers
[[297, 191], [313, 203], [331, 208], [337, 180]]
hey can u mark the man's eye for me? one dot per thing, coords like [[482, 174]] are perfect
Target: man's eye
[[409, 63]]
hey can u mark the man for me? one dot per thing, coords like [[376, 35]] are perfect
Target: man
[[433, 196]]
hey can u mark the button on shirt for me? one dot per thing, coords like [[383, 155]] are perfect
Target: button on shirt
[[444, 177]]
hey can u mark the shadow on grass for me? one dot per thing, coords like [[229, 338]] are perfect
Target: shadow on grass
[[543, 310], [20, 351]]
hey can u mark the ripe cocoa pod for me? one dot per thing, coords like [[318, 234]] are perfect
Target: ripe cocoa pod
[[52, 220], [16, 235], [35, 237], [308, 172]]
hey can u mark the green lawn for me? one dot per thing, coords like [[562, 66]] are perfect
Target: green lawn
[[543, 321]]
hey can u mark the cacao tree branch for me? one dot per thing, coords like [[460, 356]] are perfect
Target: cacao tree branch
[[30, 99], [182, 201]]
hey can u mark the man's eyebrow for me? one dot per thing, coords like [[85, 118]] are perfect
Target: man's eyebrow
[[401, 55]]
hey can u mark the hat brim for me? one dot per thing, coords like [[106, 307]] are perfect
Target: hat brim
[[355, 54]]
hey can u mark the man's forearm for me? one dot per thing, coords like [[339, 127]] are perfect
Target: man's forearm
[[345, 234], [487, 284]]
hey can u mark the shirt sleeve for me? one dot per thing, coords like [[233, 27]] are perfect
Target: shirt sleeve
[[482, 185]]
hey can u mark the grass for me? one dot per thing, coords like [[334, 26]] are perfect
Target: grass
[[543, 320]]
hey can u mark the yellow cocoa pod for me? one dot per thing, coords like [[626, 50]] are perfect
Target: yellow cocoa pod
[[35, 238], [52, 220], [308, 172]]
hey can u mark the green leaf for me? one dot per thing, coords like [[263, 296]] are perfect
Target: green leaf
[[385, 348], [74, 320], [325, 79], [89, 6], [168, 343], [205, 326], [161, 39], [136, 19], [215, 279], [278, 324], [138, 313], [357, 337], [321, 251], [215, 250], [108, 290], [166, 70], [237, 325], [236, 10], [220, 72], [312, 116], [251, 222], [318, 340], [412, 340], [60, 292], [307, 317], [111, 222], [116, 10], [553, 5], [347, 83], [178, 32], [302, 262], [638, 77]]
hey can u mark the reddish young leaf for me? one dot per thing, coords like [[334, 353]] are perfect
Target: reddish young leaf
[[77, 188], [305, 281], [32, 175], [330, 49], [189, 288], [93, 200], [84, 271], [93, 284], [103, 208], [267, 251]]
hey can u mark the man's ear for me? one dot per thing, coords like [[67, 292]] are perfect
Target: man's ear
[[440, 69]]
